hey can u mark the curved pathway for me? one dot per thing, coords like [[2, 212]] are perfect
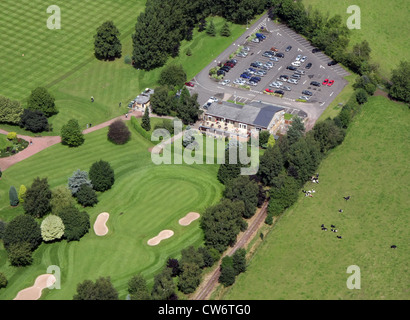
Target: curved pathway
[[41, 143]]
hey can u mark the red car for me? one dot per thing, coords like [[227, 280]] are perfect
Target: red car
[[331, 82], [269, 90], [325, 82], [273, 49], [189, 84]]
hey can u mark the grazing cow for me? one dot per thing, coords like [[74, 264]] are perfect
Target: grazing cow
[[340, 210], [393, 246], [347, 198], [339, 237], [324, 229], [322, 225], [332, 226]]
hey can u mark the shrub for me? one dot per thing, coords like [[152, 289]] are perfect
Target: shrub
[[77, 180], [22, 229], [34, 121], [118, 132], [61, 198], [102, 289], [101, 176], [138, 289], [13, 197], [361, 96], [37, 199], [41, 100], [20, 254], [86, 196], [3, 280], [11, 135], [22, 193], [76, 223]]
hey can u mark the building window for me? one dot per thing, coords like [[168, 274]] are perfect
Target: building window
[[243, 126]]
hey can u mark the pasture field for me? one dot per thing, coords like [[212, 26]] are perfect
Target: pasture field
[[139, 206], [382, 25], [297, 260]]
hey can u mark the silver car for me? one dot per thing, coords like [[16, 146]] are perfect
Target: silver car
[[293, 81]]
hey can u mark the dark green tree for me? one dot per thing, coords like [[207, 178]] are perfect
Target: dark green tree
[[296, 130], [34, 121], [225, 30], [283, 194], [161, 101], [102, 289], [41, 100], [172, 75], [71, 134], [239, 261], [174, 265], [20, 254], [271, 164], [192, 255], [328, 134], [22, 229], [361, 96], [138, 289], [210, 29], [188, 108], [86, 196], [13, 196], [400, 88], [243, 189], [190, 278], [37, 199], [3, 280], [146, 122], [101, 175], [76, 223], [164, 287], [107, 45], [227, 276], [231, 168], [263, 138]]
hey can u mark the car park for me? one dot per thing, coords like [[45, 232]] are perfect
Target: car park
[[315, 83], [308, 66], [307, 93], [288, 48]]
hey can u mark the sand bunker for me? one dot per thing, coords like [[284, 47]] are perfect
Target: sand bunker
[[186, 221], [165, 234], [100, 227], [34, 292]]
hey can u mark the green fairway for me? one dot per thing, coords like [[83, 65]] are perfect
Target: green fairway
[[139, 206], [382, 25], [297, 260]]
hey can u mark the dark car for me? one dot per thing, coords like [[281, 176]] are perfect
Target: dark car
[[229, 64], [253, 64], [307, 92], [255, 79], [280, 55], [226, 69], [220, 72], [280, 92], [291, 68], [315, 50], [332, 63], [309, 65], [288, 48], [245, 76], [315, 83], [295, 76]]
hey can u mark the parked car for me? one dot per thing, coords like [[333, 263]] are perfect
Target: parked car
[[273, 49], [332, 63], [307, 93], [261, 73], [304, 98], [308, 66], [330, 83], [281, 92], [260, 36], [293, 81], [296, 63], [225, 82], [299, 71], [269, 90], [274, 85], [245, 76], [286, 88], [283, 77], [274, 59], [288, 48], [315, 83], [220, 72], [256, 40], [298, 57], [291, 68], [256, 79], [315, 50], [252, 83], [295, 76], [325, 82], [189, 84], [303, 59], [280, 55]]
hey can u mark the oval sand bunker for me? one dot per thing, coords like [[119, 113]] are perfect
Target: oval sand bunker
[[34, 292], [186, 221], [100, 227], [165, 234]]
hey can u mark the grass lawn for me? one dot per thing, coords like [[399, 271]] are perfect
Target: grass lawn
[[382, 25], [4, 142], [297, 260], [141, 192]]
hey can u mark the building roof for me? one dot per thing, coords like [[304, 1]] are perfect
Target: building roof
[[255, 113]]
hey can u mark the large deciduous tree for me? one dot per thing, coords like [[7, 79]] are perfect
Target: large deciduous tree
[[243, 189], [107, 45], [22, 228], [37, 198], [400, 88], [34, 121], [41, 100], [138, 289], [76, 223], [102, 289], [118, 132]]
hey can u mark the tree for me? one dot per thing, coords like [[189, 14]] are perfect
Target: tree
[[243, 189], [225, 31], [71, 134], [2, 228], [107, 45], [20, 254], [37, 199], [52, 228], [41, 100], [118, 132], [227, 276], [76, 223], [22, 193], [173, 264], [400, 88], [210, 29], [192, 255], [3, 280], [161, 101], [34, 121], [102, 289], [77, 180], [328, 134], [22, 228], [188, 108], [296, 130], [86, 196], [61, 198], [229, 170], [263, 138], [283, 194], [239, 261], [13, 196], [101, 176], [271, 164], [361, 96], [10, 111], [145, 122], [190, 278], [138, 289], [164, 286], [172, 75]]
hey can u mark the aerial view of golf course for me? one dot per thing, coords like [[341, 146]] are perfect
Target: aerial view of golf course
[[125, 126]]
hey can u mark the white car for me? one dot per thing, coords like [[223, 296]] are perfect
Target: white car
[[303, 59], [298, 57], [213, 99], [296, 63], [225, 82]]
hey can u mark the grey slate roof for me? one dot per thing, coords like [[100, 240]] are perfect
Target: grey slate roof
[[255, 113]]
